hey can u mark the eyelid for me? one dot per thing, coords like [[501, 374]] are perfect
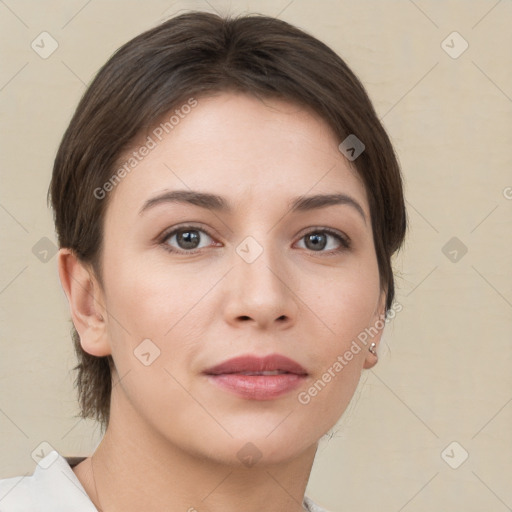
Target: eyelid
[[179, 227]]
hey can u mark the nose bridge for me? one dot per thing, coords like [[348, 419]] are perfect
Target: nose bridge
[[260, 288], [259, 263]]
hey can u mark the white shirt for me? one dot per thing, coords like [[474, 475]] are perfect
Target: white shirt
[[54, 487]]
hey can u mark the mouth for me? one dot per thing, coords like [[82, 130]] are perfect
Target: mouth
[[270, 372], [273, 364], [257, 378]]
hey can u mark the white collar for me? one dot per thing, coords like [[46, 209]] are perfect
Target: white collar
[[53, 487]]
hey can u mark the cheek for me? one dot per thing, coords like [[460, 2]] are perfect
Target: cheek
[[149, 331], [144, 296], [337, 369], [342, 305], [162, 304], [327, 395], [344, 308]]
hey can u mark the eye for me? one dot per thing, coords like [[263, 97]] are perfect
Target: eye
[[318, 240], [187, 238], [191, 239]]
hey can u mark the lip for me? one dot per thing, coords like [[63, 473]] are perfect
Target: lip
[[251, 363], [230, 376]]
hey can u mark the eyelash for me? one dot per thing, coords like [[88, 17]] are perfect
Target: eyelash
[[345, 242]]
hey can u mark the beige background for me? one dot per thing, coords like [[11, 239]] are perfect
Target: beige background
[[444, 373]]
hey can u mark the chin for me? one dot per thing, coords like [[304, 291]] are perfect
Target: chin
[[256, 452], [264, 442]]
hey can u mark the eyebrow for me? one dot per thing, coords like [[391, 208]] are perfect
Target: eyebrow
[[219, 203]]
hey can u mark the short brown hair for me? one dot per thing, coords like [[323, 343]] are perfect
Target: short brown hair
[[200, 54]]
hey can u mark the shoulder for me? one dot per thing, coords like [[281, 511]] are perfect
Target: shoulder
[[52, 487]]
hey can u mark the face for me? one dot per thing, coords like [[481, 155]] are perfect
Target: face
[[190, 283]]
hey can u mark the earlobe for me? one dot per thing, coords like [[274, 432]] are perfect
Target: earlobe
[[86, 303], [372, 357], [378, 323]]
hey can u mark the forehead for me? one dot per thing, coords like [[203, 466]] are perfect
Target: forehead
[[240, 147]]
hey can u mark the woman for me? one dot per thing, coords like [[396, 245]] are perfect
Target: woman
[[227, 204]]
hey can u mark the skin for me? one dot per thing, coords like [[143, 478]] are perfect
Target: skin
[[173, 437]]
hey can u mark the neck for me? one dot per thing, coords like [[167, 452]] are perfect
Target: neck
[[135, 469]]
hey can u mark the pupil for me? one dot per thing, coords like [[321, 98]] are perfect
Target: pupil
[[317, 241], [189, 239]]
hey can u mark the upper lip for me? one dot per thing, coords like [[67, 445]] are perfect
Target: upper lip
[[251, 363]]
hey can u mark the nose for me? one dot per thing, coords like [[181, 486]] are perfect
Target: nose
[[261, 292]]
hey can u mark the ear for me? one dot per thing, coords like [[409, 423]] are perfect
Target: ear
[[86, 303], [378, 323]]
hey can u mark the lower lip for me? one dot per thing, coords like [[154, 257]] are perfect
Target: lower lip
[[258, 387]]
